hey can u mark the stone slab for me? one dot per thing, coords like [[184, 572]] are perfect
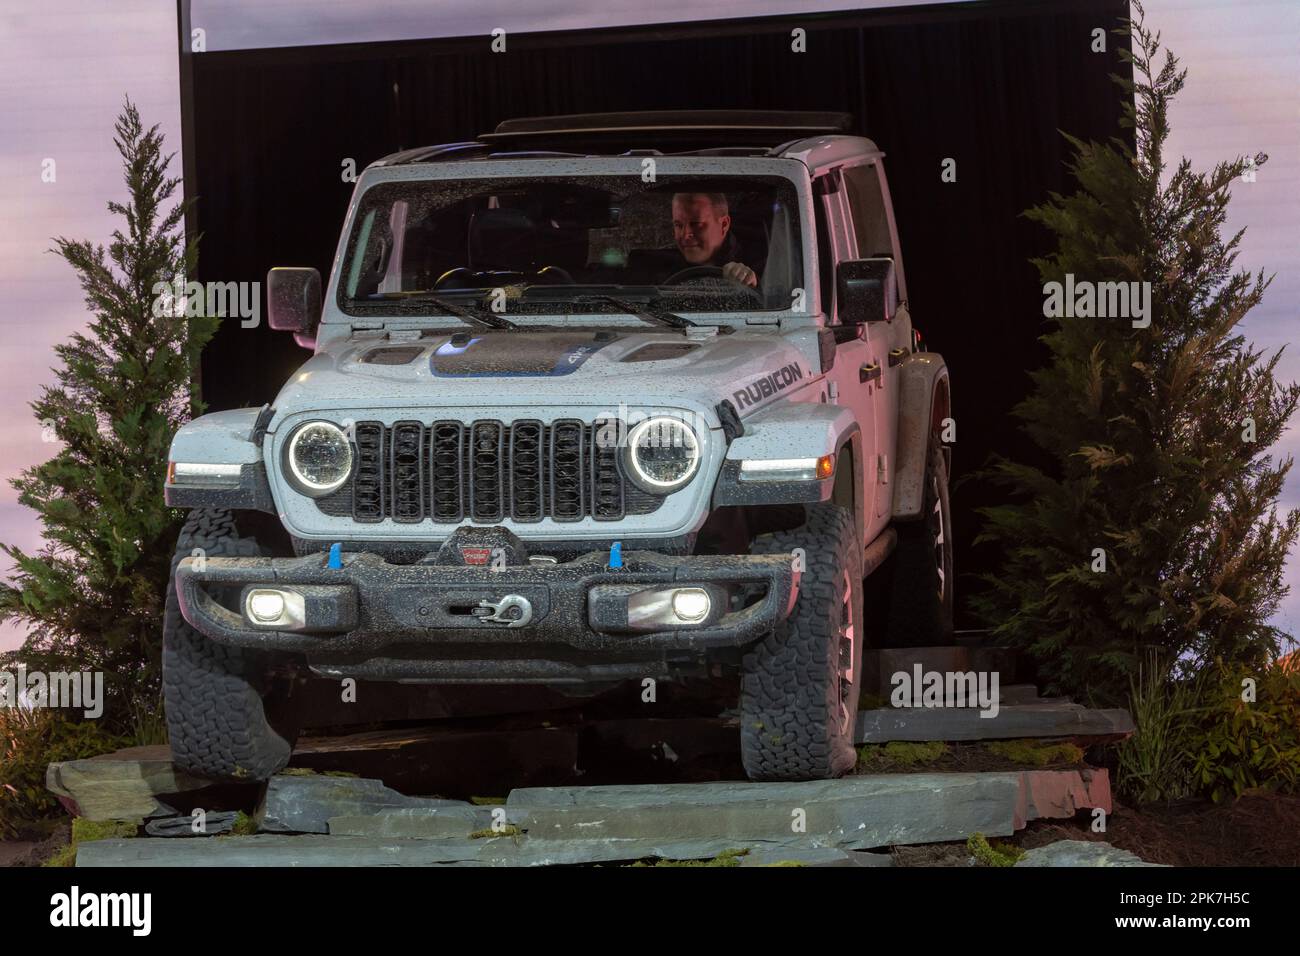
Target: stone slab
[[278, 849], [125, 785], [215, 823], [414, 823], [295, 803], [1081, 853], [570, 825], [859, 812], [1060, 794], [879, 665], [965, 723]]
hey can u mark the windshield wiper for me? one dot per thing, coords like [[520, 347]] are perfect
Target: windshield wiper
[[473, 314], [654, 316]]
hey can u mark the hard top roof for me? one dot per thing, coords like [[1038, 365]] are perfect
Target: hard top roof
[[653, 132]]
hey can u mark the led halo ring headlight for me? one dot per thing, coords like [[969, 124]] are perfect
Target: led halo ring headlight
[[663, 454], [318, 457]]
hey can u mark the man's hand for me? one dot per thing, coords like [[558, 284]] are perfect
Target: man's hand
[[739, 272]]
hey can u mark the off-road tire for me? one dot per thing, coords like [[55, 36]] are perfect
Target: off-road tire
[[227, 719], [918, 579], [797, 718]]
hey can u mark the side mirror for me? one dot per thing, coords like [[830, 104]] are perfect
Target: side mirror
[[866, 291], [293, 302]]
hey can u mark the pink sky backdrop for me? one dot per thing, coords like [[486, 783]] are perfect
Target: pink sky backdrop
[[65, 66]]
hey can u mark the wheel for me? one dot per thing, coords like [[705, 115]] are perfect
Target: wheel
[[919, 581], [226, 717], [800, 684]]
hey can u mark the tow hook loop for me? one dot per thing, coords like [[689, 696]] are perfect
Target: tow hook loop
[[616, 554], [335, 562]]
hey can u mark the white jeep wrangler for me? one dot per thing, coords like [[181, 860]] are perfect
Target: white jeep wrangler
[[591, 399]]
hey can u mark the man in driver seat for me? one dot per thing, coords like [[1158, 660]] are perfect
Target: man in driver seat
[[702, 229]]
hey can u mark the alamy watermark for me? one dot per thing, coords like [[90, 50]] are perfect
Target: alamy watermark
[[922, 688], [133, 911], [76, 690], [1098, 300], [614, 428], [242, 300]]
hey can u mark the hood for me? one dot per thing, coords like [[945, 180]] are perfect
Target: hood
[[581, 366]]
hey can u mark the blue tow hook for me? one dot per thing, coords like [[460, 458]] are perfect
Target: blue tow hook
[[616, 554], [335, 562]]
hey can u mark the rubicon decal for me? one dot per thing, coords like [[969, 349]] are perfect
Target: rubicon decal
[[767, 386]]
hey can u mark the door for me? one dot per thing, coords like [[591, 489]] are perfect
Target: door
[[857, 364], [875, 237]]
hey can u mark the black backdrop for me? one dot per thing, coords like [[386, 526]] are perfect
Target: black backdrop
[[989, 84]]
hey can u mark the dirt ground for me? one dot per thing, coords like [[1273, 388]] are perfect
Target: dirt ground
[[35, 852], [1258, 829]]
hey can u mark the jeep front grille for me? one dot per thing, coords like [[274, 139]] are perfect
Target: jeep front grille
[[485, 472]]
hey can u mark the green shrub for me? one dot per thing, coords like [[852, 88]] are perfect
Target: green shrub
[[1238, 745], [30, 740], [148, 722], [993, 854], [1155, 763]]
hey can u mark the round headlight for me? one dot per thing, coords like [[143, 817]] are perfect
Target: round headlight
[[662, 454], [319, 457]]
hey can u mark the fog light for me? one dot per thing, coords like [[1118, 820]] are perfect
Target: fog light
[[265, 607], [653, 608], [691, 604]]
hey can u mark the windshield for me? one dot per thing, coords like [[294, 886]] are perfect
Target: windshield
[[573, 244]]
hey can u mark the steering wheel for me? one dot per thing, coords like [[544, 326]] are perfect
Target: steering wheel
[[458, 272], [694, 272], [545, 273], [713, 272]]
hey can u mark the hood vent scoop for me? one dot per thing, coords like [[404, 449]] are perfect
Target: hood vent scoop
[[392, 356], [659, 351]]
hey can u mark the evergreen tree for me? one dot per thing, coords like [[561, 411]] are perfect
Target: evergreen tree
[[92, 598], [1157, 436]]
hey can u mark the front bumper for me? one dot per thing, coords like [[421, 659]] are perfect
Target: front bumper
[[368, 605]]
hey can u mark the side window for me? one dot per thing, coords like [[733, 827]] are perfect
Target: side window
[[870, 222], [873, 223], [825, 192]]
